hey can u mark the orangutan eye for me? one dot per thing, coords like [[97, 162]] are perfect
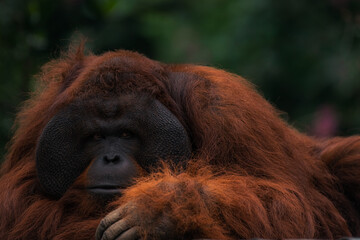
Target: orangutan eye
[[97, 137], [125, 134]]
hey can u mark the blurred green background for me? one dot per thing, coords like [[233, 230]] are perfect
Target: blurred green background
[[303, 55]]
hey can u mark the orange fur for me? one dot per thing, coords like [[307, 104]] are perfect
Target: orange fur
[[251, 174]]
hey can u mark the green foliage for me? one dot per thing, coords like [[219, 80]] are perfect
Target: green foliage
[[301, 54]]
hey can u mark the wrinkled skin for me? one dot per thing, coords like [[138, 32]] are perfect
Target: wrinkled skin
[[122, 224]]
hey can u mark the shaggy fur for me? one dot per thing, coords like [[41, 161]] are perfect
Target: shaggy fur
[[251, 174]]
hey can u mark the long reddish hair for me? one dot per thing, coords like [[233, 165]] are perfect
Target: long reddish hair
[[263, 177]]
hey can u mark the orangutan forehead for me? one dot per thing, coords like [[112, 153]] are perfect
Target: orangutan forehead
[[111, 83], [113, 77], [122, 81], [112, 106]]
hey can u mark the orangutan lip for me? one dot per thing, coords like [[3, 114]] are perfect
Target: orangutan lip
[[105, 189]]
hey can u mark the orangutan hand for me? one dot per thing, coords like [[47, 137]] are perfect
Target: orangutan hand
[[128, 223]]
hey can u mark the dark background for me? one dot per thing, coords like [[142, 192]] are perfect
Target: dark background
[[303, 55]]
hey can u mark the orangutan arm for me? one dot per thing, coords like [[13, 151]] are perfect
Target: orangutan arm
[[166, 206]]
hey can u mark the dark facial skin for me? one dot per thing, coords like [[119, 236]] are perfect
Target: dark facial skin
[[113, 138], [112, 146], [113, 168]]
